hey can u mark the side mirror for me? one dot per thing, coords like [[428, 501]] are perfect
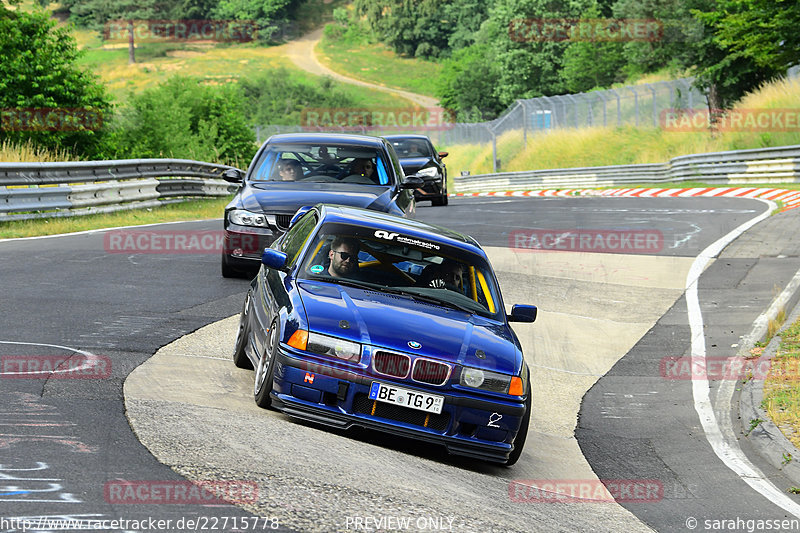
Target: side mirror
[[232, 175], [443, 154], [274, 259], [523, 313], [412, 182]]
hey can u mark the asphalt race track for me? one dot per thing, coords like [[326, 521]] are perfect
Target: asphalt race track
[[614, 309]]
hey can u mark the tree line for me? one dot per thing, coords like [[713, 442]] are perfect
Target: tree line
[[497, 51], [47, 99]]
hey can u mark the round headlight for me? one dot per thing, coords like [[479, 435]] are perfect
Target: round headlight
[[473, 377]]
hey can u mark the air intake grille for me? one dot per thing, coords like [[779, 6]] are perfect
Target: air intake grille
[[363, 405], [283, 221], [391, 364], [431, 372]]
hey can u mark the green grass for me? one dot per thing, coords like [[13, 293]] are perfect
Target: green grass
[[202, 209], [377, 63], [782, 386]]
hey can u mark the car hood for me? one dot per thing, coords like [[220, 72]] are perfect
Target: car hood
[[413, 164], [278, 197], [392, 321]]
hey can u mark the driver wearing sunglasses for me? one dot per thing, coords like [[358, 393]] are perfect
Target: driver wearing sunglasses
[[344, 257]]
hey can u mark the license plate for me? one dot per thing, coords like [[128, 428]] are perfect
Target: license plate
[[422, 401]]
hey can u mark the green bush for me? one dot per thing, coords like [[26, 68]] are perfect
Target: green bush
[[183, 118], [275, 97], [46, 99]]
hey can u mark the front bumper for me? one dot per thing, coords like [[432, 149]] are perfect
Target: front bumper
[[431, 189], [244, 244], [334, 396]]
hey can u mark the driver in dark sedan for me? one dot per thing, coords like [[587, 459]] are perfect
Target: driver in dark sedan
[[344, 257], [290, 170], [414, 149]]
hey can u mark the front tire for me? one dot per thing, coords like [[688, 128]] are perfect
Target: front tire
[[522, 434], [266, 370], [442, 200], [240, 358], [227, 270]]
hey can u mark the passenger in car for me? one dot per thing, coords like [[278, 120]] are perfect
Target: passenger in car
[[344, 257], [325, 157], [290, 170], [448, 275]]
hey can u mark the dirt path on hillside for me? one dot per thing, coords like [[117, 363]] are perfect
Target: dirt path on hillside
[[301, 52]]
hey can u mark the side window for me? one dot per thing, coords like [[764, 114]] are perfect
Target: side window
[[297, 237], [431, 149], [383, 177], [264, 166], [395, 163]]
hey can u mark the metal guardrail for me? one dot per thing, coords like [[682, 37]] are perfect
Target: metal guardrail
[[740, 167], [41, 190]]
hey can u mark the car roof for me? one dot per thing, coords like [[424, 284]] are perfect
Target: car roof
[[406, 136], [392, 223], [329, 138]]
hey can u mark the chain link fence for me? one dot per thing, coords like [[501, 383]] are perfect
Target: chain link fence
[[643, 105], [636, 105]]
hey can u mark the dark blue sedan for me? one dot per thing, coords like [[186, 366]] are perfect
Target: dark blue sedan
[[360, 318], [295, 170]]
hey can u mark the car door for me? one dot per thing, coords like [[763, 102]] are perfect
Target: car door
[[276, 289]]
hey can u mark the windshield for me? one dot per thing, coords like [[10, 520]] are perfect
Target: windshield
[[322, 163], [392, 262], [407, 148]]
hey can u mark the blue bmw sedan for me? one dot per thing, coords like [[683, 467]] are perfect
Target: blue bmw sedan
[[360, 318], [296, 170]]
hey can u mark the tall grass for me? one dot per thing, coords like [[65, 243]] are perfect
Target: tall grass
[[29, 152]]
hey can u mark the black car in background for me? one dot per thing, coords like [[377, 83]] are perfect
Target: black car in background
[[293, 171], [418, 156]]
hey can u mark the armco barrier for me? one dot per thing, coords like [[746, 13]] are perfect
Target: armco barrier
[[39, 190], [741, 167]]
